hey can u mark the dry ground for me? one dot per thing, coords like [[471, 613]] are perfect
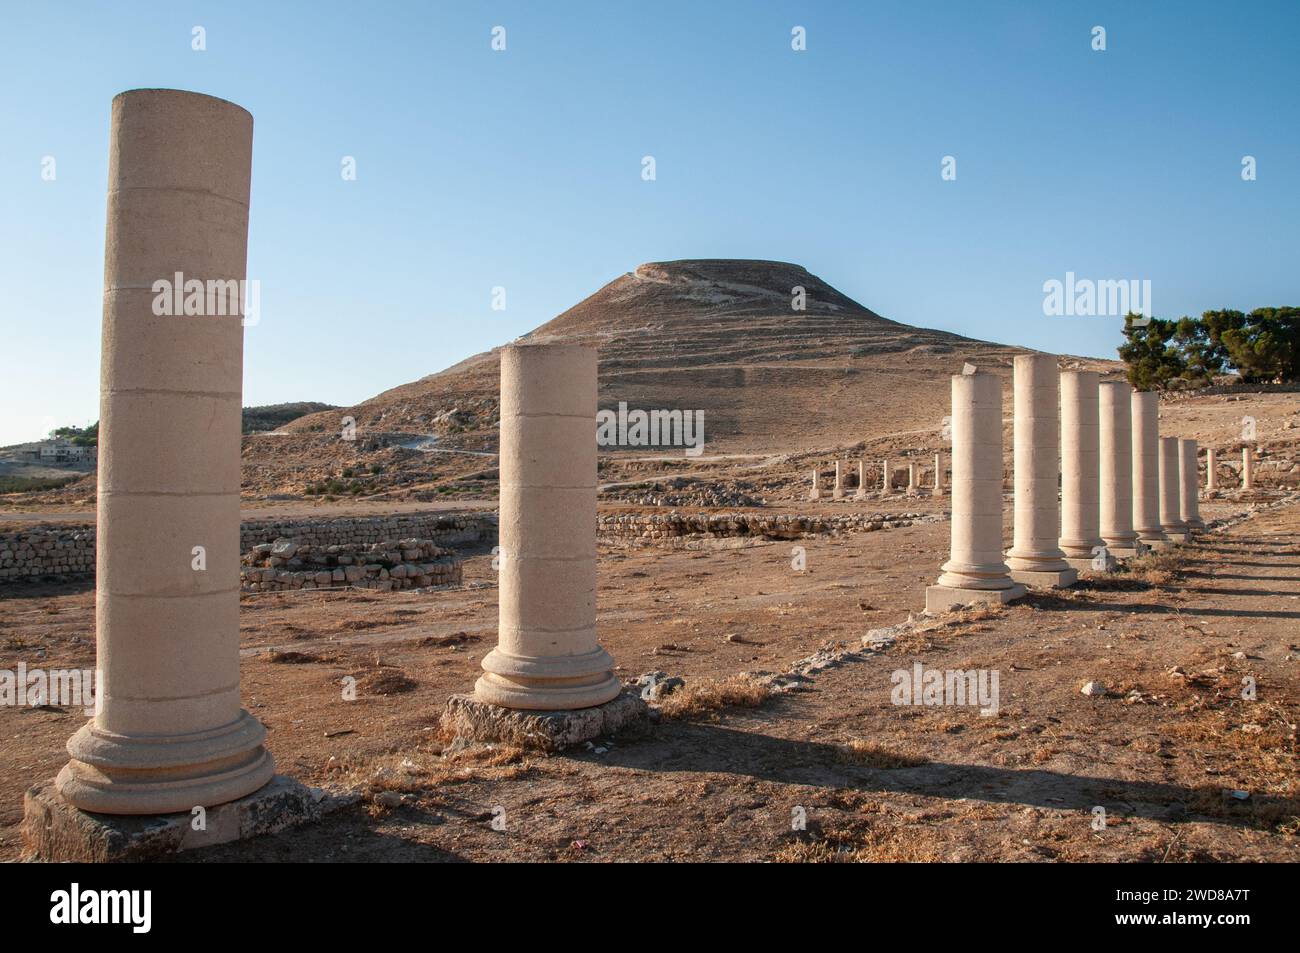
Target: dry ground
[[876, 781]]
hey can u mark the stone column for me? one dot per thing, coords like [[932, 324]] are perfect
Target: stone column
[[861, 493], [911, 479], [1247, 468], [938, 474], [1035, 557], [1146, 469], [169, 733], [1189, 507], [1080, 469], [816, 492], [1115, 449], [884, 477], [1211, 470], [547, 657], [975, 572], [1171, 520], [838, 492]]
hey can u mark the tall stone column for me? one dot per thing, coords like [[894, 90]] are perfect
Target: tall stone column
[[838, 492], [938, 474], [911, 479], [1247, 468], [884, 477], [1146, 469], [1211, 470], [1080, 468], [861, 493], [1171, 520], [975, 572], [1189, 506], [1115, 446], [169, 733], [1035, 557], [547, 656], [816, 492]]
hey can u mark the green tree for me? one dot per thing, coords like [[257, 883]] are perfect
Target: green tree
[[1265, 344], [1151, 361]]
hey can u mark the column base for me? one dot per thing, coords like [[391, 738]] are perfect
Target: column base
[[1040, 579], [837, 494], [554, 683], [161, 774], [55, 830], [1155, 543], [1177, 535], [476, 720], [1196, 526], [814, 495], [860, 495], [944, 598]]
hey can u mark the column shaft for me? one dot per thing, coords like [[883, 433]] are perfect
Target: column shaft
[[1247, 468], [1189, 508], [1035, 556], [1211, 469], [169, 733], [1146, 469], [1171, 520], [1080, 468], [975, 572], [547, 656], [1115, 449]]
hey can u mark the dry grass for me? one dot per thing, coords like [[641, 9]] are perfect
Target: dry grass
[[705, 697], [875, 756], [1157, 569], [385, 681]]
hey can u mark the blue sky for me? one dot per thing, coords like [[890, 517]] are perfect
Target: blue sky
[[522, 168]]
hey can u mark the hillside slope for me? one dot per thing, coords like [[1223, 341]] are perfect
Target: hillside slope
[[720, 336]]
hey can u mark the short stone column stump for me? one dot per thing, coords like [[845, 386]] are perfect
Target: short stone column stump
[[473, 720]]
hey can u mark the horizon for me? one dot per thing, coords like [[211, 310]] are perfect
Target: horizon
[[523, 169]]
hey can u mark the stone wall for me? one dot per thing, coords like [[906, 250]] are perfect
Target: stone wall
[[402, 564], [47, 551], [675, 529], [444, 529], [59, 551]]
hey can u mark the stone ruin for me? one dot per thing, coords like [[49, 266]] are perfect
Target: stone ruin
[[169, 731], [404, 564]]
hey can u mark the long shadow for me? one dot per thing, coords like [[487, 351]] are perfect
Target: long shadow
[[1215, 591], [1198, 574], [1244, 613], [715, 749], [322, 840]]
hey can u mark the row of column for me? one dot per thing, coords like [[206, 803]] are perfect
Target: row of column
[[1123, 487], [913, 483]]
